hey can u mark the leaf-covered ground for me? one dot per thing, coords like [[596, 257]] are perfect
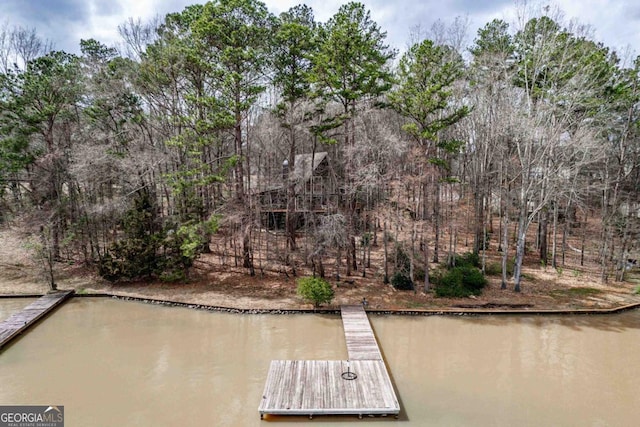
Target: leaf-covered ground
[[213, 284]]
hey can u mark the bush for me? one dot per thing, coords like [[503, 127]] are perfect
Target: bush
[[402, 281], [469, 259], [473, 279], [315, 290], [460, 282], [403, 262], [450, 285], [495, 268]]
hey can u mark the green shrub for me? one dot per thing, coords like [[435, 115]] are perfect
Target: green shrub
[[460, 282], [402, 281], [637, 290], [450, 285], [473, 279], [403, 263], [315, 290], [495, 268], [469, 259]]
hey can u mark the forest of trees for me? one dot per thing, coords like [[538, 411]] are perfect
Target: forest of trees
[[133, 158]]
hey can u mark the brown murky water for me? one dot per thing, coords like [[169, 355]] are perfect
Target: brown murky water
[[114, 363]]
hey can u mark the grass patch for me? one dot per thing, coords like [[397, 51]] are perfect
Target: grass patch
[[637, 290], [414, 304], [577, 292]]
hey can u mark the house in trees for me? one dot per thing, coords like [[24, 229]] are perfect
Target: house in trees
[[316, 191]]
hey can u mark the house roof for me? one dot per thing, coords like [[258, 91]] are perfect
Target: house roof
[[303, 169], [302, 172]]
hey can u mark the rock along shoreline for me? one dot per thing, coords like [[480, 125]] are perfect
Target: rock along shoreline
[[336, 310]]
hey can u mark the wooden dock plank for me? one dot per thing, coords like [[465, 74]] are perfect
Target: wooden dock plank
[[18, 322], [361, 342], [317, 387], [321, 390]]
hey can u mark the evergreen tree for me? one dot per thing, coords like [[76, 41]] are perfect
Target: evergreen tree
[[424, 95], [351, 69], [294, 45]]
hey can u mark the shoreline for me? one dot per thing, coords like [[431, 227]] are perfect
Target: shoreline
[[334, 310], [226, 288]]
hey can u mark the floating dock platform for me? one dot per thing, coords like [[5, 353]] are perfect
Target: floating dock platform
[[359, 386]]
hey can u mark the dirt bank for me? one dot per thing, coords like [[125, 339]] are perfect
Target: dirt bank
[[226, 286]]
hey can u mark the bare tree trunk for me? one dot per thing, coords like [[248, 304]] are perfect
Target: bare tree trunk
[[247, 253], [261, 251], [484, 245], [48, 256], [364, 258], [235, 248], [386, 254], [426, 264], [376, 223], [291, 192], [436, 222], [621, 264], [554, 239], [584, 238], [479, 215], [520, 248], [413, 249], [505, 248], [354, 258], [542, 237], [320, 267]]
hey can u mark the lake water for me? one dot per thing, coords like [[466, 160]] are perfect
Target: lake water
[[117, 363]]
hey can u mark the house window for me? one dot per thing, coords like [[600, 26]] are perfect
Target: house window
[[318, 186]]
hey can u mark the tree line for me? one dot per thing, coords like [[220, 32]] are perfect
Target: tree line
[[132, 158]]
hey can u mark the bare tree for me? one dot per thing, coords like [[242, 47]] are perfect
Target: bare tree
[[137, 35], [555, 102], [19, 45], [331, 235], [28, 45]]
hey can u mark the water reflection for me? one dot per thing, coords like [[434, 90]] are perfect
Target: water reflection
[[130, 364], [516, 370], [606, 322]]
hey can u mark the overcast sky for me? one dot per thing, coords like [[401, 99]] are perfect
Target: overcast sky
[[65, 22]]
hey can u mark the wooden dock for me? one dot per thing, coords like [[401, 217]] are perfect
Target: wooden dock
[[361, 343], [17, 323], [358, 386]]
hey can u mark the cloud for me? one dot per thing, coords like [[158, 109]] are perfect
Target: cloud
[[35, 12], [52, 19], [67, 21]]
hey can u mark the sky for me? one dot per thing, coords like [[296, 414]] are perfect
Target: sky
[[616, 23]]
